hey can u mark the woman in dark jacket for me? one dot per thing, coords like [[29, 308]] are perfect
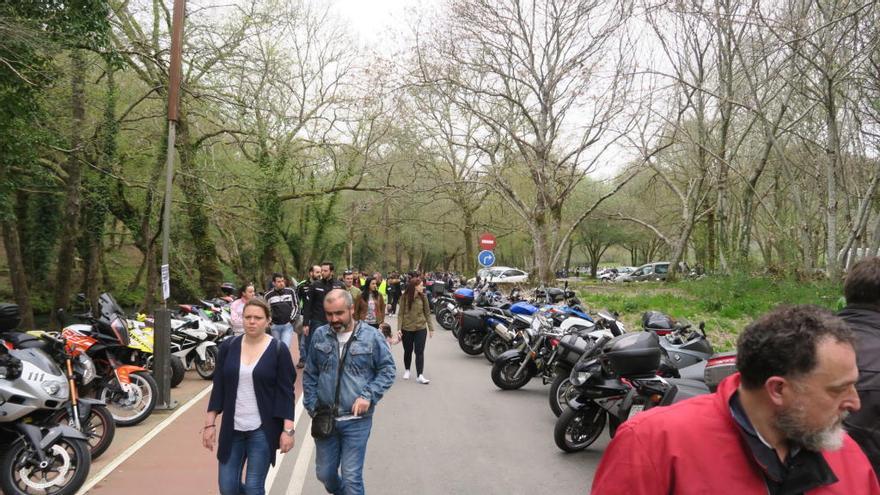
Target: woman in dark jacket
[[253, 390]]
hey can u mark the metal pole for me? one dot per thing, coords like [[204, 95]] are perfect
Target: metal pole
[[162, 328]]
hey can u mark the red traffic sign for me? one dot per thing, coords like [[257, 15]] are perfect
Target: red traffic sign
[[487, 242]]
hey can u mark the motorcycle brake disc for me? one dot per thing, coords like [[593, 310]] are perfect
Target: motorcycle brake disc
[[57, 451]]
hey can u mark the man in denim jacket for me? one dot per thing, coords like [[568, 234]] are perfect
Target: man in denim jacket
[[368, 372]]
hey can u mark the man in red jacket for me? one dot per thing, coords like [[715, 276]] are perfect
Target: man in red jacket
[[773, 428]]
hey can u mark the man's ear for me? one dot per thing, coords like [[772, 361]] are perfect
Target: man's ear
[[775, 387]]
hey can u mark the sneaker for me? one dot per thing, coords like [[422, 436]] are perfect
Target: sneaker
[[406, 375], [421, 379]]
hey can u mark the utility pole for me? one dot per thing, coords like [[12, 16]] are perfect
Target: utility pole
[[162, 328]]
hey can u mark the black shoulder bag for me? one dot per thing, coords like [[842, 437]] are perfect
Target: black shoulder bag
[[324, 420]]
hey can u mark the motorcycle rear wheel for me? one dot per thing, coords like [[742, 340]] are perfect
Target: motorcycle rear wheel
[[178, 371], [559, 390], [69, 468], [99, 427], [494, 346], [577, 429], [503, 372], [456, 329], [445, 319], [471, 343]]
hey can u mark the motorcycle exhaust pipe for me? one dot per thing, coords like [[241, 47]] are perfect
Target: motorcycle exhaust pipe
[[501, 329]]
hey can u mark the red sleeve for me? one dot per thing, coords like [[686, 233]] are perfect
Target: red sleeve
[[630, 467]]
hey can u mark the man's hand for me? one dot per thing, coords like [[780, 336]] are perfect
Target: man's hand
[[360, 406]]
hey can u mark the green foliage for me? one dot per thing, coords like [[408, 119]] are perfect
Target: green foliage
[[726, 304]]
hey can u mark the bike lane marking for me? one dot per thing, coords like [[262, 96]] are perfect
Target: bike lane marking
[[109, 468], [298, 413]]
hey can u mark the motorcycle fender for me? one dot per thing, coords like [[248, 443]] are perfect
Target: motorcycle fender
[[577, 402], [86, 404], [123, 372], [202, 349], [58, 431], [510, 354]]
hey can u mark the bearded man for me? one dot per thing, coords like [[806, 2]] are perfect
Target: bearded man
[[775, 427]]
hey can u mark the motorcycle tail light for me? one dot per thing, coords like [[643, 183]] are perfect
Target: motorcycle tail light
[[656, 398], [554, 342]]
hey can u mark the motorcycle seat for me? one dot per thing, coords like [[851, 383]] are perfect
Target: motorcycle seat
[[23, 341]]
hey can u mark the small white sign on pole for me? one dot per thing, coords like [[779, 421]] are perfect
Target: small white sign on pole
[[166, 282]]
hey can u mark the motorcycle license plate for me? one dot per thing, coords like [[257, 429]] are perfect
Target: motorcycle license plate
[[637, 408]]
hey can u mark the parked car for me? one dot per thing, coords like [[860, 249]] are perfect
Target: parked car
[[651, 271], [506, 275]]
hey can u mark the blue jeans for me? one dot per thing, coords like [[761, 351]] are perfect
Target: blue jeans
[[253, 447], [345, 449], [284, 333]]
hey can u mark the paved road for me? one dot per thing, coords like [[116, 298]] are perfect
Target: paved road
[[458, 435]]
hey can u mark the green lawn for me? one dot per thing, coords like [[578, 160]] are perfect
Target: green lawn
[[726, 304]]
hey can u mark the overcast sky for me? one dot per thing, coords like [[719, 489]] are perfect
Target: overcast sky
[[375, 20]]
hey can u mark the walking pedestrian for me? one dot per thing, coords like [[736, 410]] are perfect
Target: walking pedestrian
[[236, 309], [776, 427], [862, 313], [254, 395], [415, 324], [394, 291], [313, 312], [381, 284], [285, 308], [370, 307], [348, 280], [348, 371]]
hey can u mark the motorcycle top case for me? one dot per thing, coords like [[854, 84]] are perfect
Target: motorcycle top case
[[633, 354], [658, 320], [523, 308], [464, 296], [10, 317]]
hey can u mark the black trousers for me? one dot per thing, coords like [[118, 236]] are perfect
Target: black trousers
[[414, 340], [394, 298]]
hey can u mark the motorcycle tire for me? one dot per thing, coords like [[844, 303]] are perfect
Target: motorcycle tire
[[99, 427], [503, 374], [178, 371], [456, 329], [70, 454], [145, 400], [613, 423], [494, 346], [206, 368], [559, 389], [446, 319], [577, 429], [471, 343]]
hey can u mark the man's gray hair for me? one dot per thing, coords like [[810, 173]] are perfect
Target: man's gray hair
[[337, 293]]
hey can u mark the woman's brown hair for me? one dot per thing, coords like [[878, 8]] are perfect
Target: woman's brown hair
[[410, 293], [260, 304]]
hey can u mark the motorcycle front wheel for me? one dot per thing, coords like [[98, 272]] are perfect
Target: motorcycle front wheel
[[559, 391], [132, 407], [178, 371], [577, 429], [69, 464], [504, 373], [205, 368]]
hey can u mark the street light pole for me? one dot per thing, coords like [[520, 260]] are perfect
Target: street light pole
[[162, 328]]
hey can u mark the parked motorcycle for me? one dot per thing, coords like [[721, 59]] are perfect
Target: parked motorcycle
[[128, 389], [38, 457]]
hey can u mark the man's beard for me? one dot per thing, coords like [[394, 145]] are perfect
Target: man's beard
[[339, 326], [792, 423]]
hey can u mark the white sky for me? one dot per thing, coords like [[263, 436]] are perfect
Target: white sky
[[374, 21]]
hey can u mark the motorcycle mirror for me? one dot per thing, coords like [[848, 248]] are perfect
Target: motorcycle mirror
[[703, 328]]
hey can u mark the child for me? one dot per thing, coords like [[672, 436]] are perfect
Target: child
[[386, 331]]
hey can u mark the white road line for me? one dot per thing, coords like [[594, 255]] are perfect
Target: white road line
[[109, 468], [300, 470], [298, 412]]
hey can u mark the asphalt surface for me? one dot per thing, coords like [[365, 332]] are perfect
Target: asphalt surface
[[458, 435]]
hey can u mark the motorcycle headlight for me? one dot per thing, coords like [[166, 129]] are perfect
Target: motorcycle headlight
[[86, 368], [53, 388], [578, 378]]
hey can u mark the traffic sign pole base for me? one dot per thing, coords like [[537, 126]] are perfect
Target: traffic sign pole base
[[166, 407]]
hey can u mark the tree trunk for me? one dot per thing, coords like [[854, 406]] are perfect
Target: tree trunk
[[70, 219], [17, 273], [470, 255]]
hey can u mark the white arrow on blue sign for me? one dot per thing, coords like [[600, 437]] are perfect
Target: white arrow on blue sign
[[486, 258]]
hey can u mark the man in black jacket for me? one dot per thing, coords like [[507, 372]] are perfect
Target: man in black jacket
[[313, 311], [285, 308], [862, 313]]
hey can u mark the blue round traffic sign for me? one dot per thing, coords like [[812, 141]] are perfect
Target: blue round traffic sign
[[486, 258]]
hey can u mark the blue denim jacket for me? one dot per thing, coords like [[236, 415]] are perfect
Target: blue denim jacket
[[369, 369]]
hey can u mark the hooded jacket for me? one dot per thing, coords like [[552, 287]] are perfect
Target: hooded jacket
[[695, 447]]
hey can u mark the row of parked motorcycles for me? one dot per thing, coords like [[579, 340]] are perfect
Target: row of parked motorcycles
[[62, 394], [599, 373]]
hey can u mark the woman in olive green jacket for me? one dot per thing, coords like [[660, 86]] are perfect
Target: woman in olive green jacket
[[415, 322]]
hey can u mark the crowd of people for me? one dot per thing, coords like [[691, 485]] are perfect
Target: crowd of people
[[344, 340]]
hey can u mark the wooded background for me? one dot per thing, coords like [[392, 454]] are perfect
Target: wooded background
[[742, 135]]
